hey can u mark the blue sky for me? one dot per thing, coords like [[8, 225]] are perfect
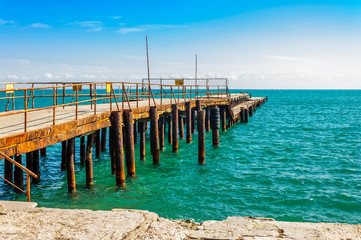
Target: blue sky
[[256, 44]]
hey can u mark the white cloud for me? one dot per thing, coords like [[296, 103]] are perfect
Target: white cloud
[[294, 59], [116, 17], [12, 77], [6, 22], [91, 26], [68, 76], [87, 76], [141, 28], [48, 75], [38, 25], [18, 61]]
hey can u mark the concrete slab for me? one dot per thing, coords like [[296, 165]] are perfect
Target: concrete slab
[[17, 205]]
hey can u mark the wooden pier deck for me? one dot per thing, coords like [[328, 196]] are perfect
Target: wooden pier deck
[[26, 130]]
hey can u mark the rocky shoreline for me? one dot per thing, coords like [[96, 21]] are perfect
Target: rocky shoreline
[[49, 223]]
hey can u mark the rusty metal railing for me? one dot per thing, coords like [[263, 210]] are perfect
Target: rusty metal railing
[[104, 95]]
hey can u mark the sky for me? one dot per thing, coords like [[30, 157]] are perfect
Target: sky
[[256, 44]]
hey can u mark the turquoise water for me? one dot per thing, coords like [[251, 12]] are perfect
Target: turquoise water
[[298, 159]]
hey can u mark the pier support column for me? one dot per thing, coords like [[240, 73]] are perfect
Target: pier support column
[[43, 152], [161, 133], [8, 170], [111, 149], [193, 120], [154, 134], [135, 133], [223, 119], [89, 161], [70, 165], [175, 127], [29, 161], [170, 129], [250, 111], [117, 139], [103, 142], [129, 142], [141, 130], [181, 126], [245, 115], [64, 155], [82, 150], [18, 173], [36, 166], [188, 122], [97, 144], [201, 137], [208, 119], [215, 122]]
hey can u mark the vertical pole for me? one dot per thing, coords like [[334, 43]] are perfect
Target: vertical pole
[[103, 142], [63, 95], [54, 106], [89, 161], [82, 150], [97, 144], [245, 115], [111, 148], [193, 121], [64, 155], [146, 39], [36, 166], [43, 152], [28, 187], [198, 105], [18, 173], [250, 111], [223, 119], [181, 127], [215, 125], [70, 165], [76, 99], [154, 134], [161, 133], [208, 119], [8, 170], [201, 137], [129, 142], [141, 130], [135, 132], [175, 127], [170, 129], [26, 112], [188, 122]]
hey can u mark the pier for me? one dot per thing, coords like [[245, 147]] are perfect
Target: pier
[[114, 114]]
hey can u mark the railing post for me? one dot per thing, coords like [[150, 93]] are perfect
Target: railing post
[[178, 94], [95, 98], [110, 97], [26, 111], [91, 95], [76, 104], [53, 106], [137, 96], [28, 186], [63, 95], [161, 94], [122, 95]]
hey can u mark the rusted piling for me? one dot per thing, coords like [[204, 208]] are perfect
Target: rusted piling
[[135, 133], [245, 115], [208, 119], [129, 142], [223, 119], [117, 139], [8, 170], [43, 152], [175, 127], [170, 130], [241, 115], [193, 123], [181, 127], [188, 122], [29, 161], [89, 161], [63, 155], [141, 130], [154, 134], [215, 122], [82, 150], [103, 141], [201, 137], [97, 144], [111, 148], [18, 173], [161, 124], [36, 166], [250, 111], [70, 165]]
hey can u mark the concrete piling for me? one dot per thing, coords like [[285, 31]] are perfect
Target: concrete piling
[[129, 142], [63, 155], [103, 141], [111, 149], [8, 170], [89, 161], [43, 152], [97, 144], [170, 130], [141, 130], [181, 127], [208, 119], [188, 122], [135, 133], [36, 166], [223, 119], [18, 173], [161, 133], [82, 150], [215, 125]]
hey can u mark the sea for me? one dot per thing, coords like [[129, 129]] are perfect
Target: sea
[[297, 159]]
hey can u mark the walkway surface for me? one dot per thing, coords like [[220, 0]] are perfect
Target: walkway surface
[[46, 223]]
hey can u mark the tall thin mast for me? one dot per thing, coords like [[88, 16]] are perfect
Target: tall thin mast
[[146, 40], [196, 77]]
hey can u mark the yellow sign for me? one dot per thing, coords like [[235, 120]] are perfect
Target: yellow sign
[[109, 87], [9, 86], [179, 82], [77, 88]]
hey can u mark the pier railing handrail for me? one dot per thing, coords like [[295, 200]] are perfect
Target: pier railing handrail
[[126, 93], [28, 173]]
